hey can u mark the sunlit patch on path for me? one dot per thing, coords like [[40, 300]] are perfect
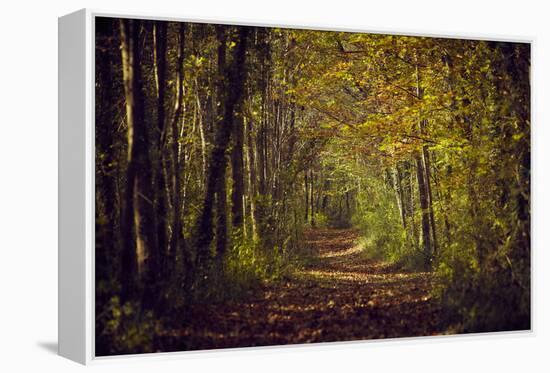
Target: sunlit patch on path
[[338, 295], [356, 249]]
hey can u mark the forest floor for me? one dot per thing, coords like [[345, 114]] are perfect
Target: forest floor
[[337, 295]]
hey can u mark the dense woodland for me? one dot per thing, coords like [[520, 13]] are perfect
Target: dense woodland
[[250, 173]]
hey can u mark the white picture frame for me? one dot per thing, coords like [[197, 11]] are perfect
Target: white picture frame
[[76, 175]]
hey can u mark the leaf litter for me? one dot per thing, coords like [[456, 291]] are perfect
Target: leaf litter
[[337, 295]]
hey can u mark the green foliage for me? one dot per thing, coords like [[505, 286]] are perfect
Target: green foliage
[[322, 220], [125, 328], [483, 291], [383, 235], [247, 266]]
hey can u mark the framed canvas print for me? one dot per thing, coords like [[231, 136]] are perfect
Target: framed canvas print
[[229, 185]]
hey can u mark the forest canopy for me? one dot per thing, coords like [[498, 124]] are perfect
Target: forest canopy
[[236, 165]]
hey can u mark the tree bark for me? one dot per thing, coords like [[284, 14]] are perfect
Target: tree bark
[[424, 188], [177, 241], [139, 211], [108, 233], [218, 163], [159, 36], [311, 199], [306, 184], [396, 175], [251, 172], [424, 207], [427, 170], [220, 184], [237, 194]]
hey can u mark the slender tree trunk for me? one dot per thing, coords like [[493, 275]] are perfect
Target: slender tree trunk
[[306, 184], [202, 137], [251, 172], [412, 202], [262, 143], [442, 203], [424, 207], [326, 199], [311, 199], [318, 191], [218, 163], [108, 233], [348, 204], [220, 183], [396, 175], [237, 194], [139, 208], [427, 169], [339, 209], [424, 188], [177, 242], [159, 36]]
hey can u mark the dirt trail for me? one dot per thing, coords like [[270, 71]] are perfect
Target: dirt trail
[[339, 295]]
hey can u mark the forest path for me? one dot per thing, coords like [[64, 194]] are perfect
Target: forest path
[[338, 295]]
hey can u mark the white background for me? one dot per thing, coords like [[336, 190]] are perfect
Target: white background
[[28, 185]]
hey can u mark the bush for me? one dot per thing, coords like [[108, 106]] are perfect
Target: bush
[[321, 220], [247, 265], [124, 328], [487, 294], [383, 235]]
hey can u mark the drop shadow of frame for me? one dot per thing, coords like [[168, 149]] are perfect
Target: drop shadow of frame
[[49, 346]]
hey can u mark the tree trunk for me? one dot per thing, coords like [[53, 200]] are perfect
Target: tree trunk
[[424, 207], [442, 203], [412, 204], [306, 184], [396, 176], [424, 188], [202, 137], [159, 36], [220, 184], [311, 199], [237, 168], [218, 163], [262, 144], [177, 242], [427, 170], [108, 233], [139, 210], [251, 172]]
